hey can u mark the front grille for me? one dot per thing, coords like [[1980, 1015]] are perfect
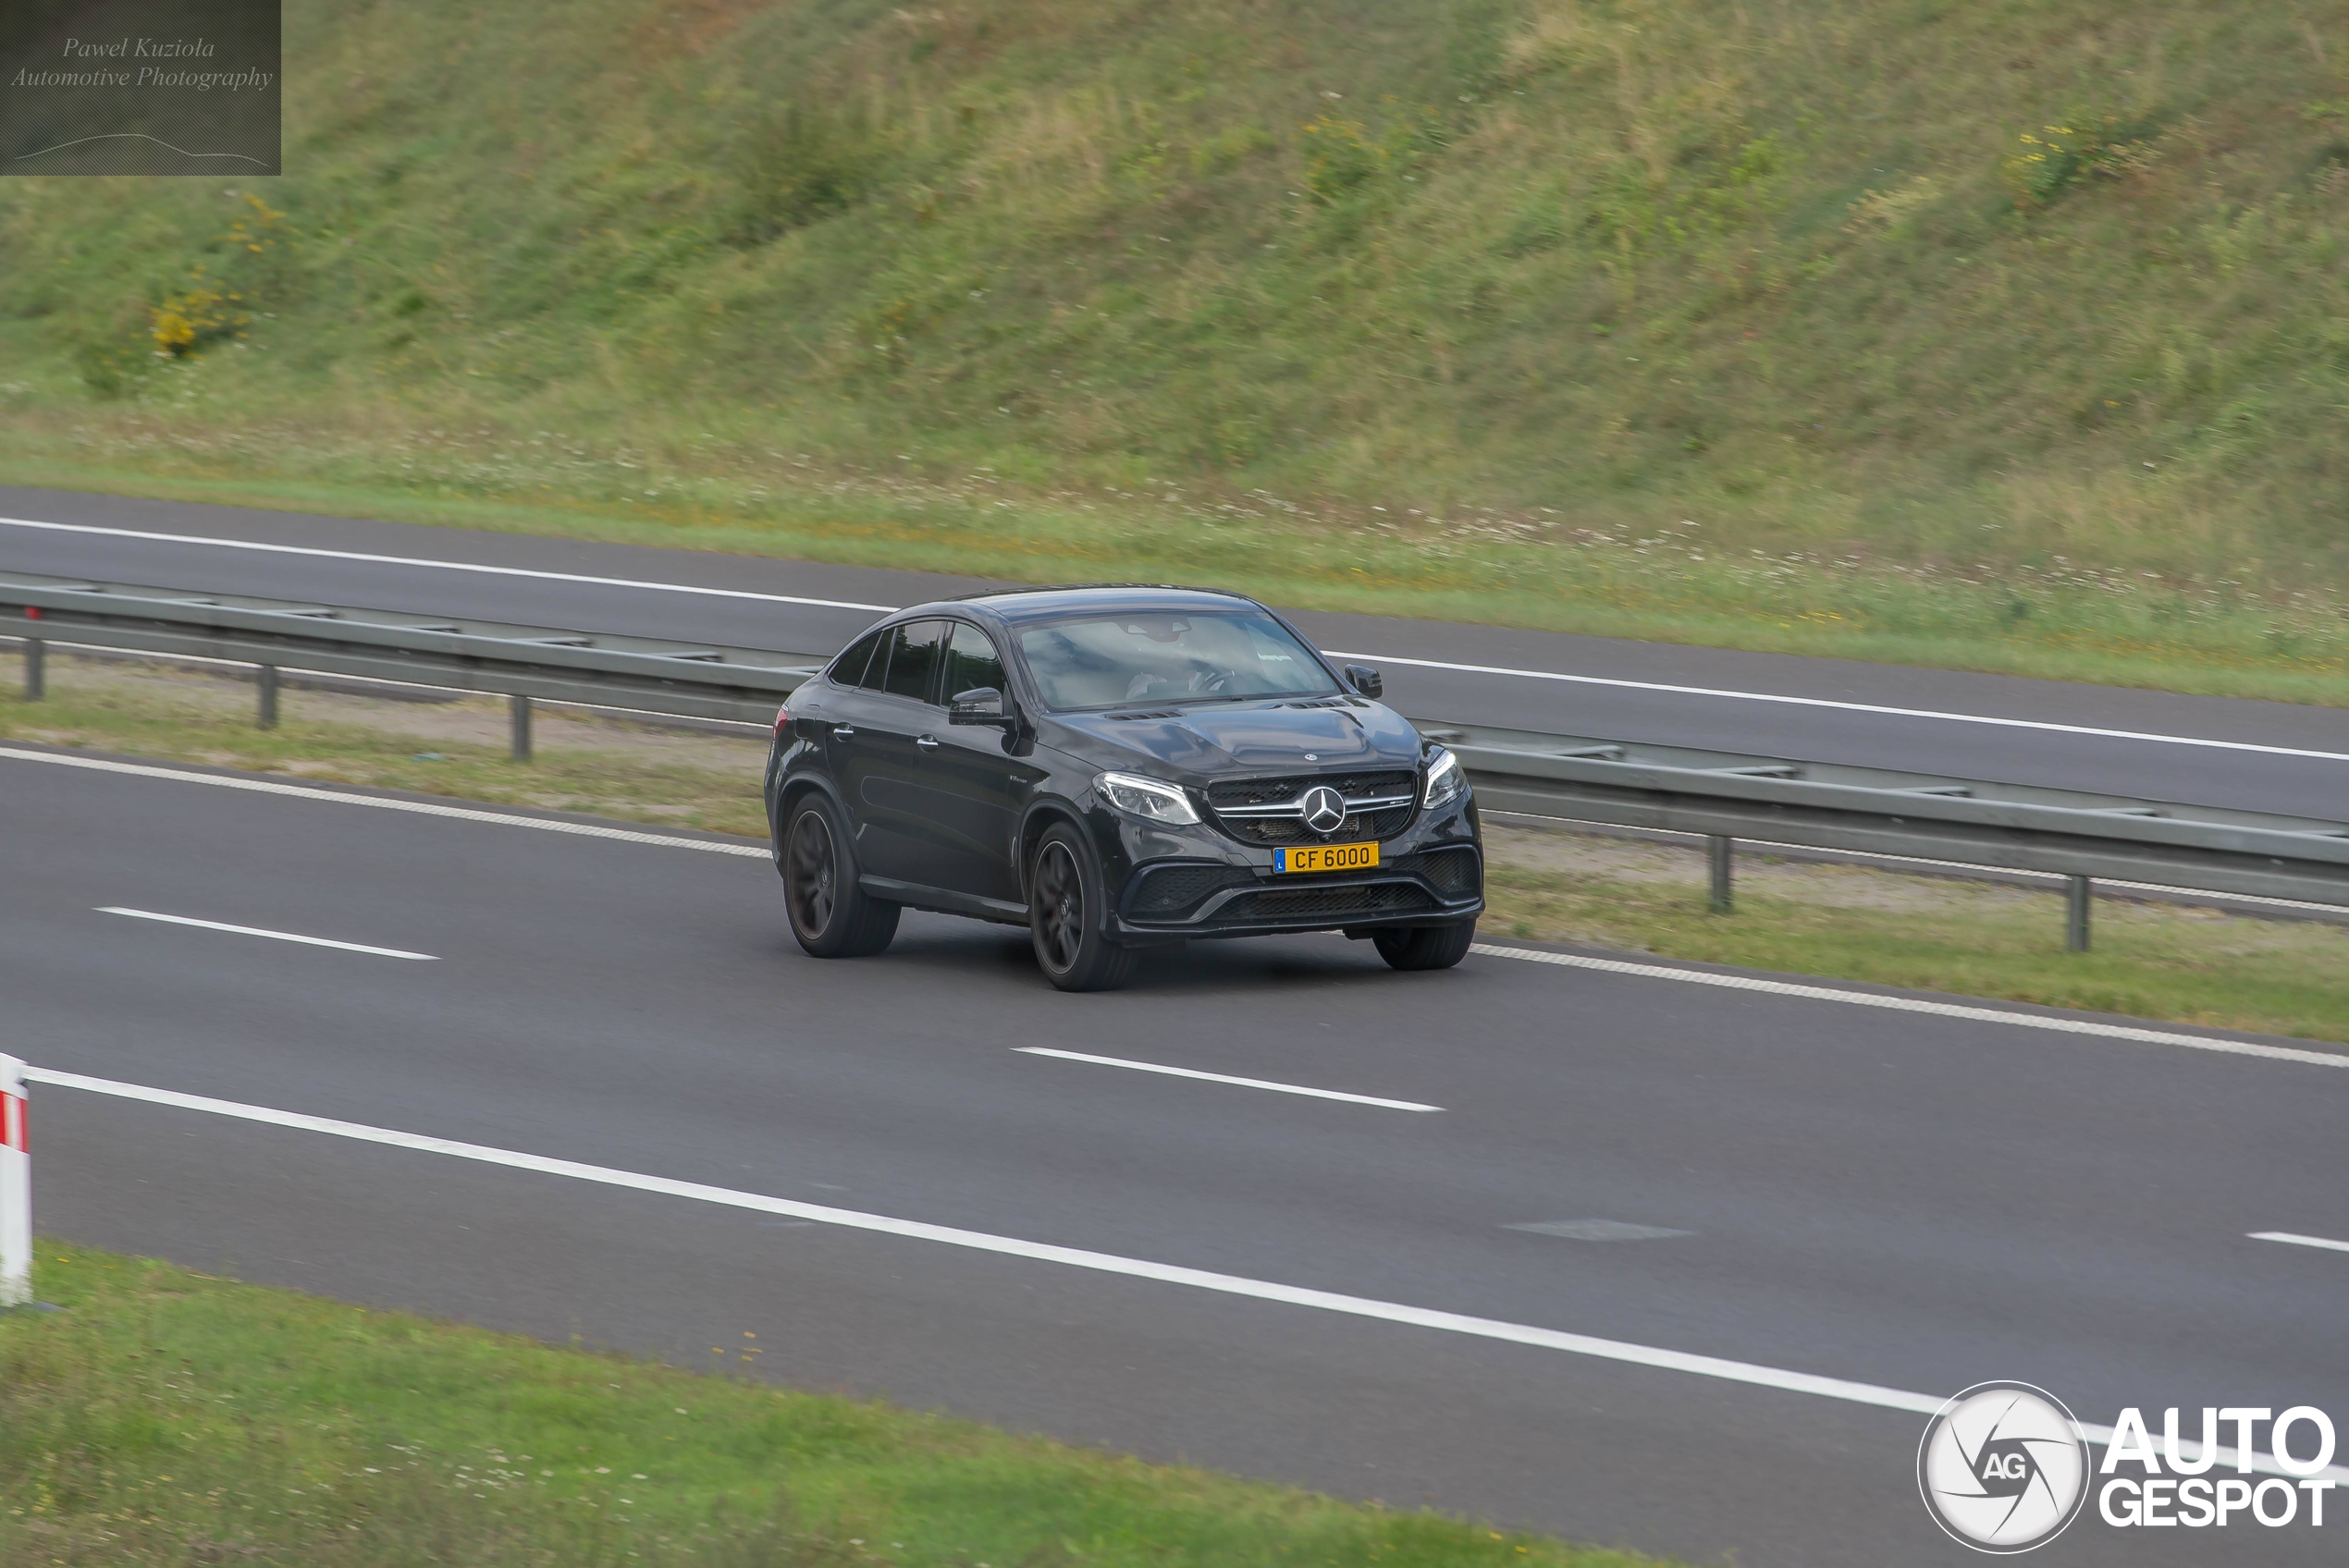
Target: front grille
[[1382, 824], [1334, 902], [1291, 830], [1170, 891], [1272, 791], [1452, 871]]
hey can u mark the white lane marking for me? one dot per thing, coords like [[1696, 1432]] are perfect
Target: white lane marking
[[438, 565], [2287, 1237], [420, 808], [1076, 1257], [1381, 658], [1225, 1078], [273, 935], [1914, 1004], [1878, 708]]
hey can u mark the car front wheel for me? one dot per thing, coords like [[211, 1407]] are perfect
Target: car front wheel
[[831, 915], [1065, 916], [1425, 947]]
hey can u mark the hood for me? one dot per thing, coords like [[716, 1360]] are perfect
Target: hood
[[1218, 740]]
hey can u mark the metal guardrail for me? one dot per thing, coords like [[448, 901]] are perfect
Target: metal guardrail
[[694, 679], [1724, 796]]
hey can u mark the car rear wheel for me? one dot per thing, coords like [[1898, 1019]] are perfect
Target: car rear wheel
[[1425, 947], [831, 915], [1065, 916]]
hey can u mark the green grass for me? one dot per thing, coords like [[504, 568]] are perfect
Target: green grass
[[1701, 321], [168, 1418], [2147, 960]]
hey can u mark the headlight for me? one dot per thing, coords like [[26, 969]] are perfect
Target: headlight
[[1444, 778], [1146, 798]]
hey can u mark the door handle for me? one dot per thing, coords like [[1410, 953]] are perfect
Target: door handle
[[843, 732], [927, 742]]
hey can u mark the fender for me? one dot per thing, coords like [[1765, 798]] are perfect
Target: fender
[[794, 786], [1041, 812]]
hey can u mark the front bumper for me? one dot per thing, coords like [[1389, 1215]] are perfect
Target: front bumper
[[1196, 882]]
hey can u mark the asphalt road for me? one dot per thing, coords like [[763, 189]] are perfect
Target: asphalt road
[[1497, 675], [1904, 1200]]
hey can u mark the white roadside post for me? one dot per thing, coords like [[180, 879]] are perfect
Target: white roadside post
[[16, 1190]]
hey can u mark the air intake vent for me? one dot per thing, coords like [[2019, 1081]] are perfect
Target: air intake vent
[[1452, 871], [1328, 902], [1170, 892]]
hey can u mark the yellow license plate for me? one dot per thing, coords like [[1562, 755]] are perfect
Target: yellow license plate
[[1326, 857]]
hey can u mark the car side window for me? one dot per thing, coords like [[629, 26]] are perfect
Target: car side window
[[850, 668], [914, 649], [972, 662]]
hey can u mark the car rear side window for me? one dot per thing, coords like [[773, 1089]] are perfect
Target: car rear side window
[[972, 663], [849, 669], [913, 660]]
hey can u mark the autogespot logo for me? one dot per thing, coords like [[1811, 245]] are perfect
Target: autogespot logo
[[2003, 1468]]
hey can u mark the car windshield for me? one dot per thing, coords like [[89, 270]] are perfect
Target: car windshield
[[1111, 660]]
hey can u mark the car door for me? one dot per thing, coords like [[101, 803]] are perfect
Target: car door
[[981, 787], [885, 771]]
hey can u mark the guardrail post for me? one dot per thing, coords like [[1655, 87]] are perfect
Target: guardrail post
[[16, 1190], [36, 669], [2078, 894], [265, 679], [1720, 860], [520, 727]]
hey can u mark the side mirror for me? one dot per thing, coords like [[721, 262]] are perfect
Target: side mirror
[[1365, 680], [981, 704]]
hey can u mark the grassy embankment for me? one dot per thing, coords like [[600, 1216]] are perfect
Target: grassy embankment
[[168, 1418], [2000, 335], [2151, 962]]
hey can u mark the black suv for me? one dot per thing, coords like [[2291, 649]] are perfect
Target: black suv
[[1114, 769]]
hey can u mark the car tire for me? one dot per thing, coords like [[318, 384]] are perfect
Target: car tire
[[829, 913], [1425, 947], [1067, 911]]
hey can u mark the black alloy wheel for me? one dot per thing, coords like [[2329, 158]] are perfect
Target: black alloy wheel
[[1064, 916], [1425, 947], [831, 915]]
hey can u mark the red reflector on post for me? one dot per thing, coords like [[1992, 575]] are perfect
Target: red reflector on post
[[16, 1190]]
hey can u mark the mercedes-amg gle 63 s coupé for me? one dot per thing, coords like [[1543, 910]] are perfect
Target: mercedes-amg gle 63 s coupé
[[1115, 768]]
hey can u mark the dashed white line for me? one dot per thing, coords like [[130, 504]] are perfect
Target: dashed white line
[[273, 935], [1916, 1004], [1076, 1257], [1665, 687], [2289, 1239], [1225, 1078]]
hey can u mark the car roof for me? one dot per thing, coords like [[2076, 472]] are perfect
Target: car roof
[[1017, 605]]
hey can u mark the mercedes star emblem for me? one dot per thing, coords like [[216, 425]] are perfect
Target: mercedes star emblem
[[1324, 808]]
